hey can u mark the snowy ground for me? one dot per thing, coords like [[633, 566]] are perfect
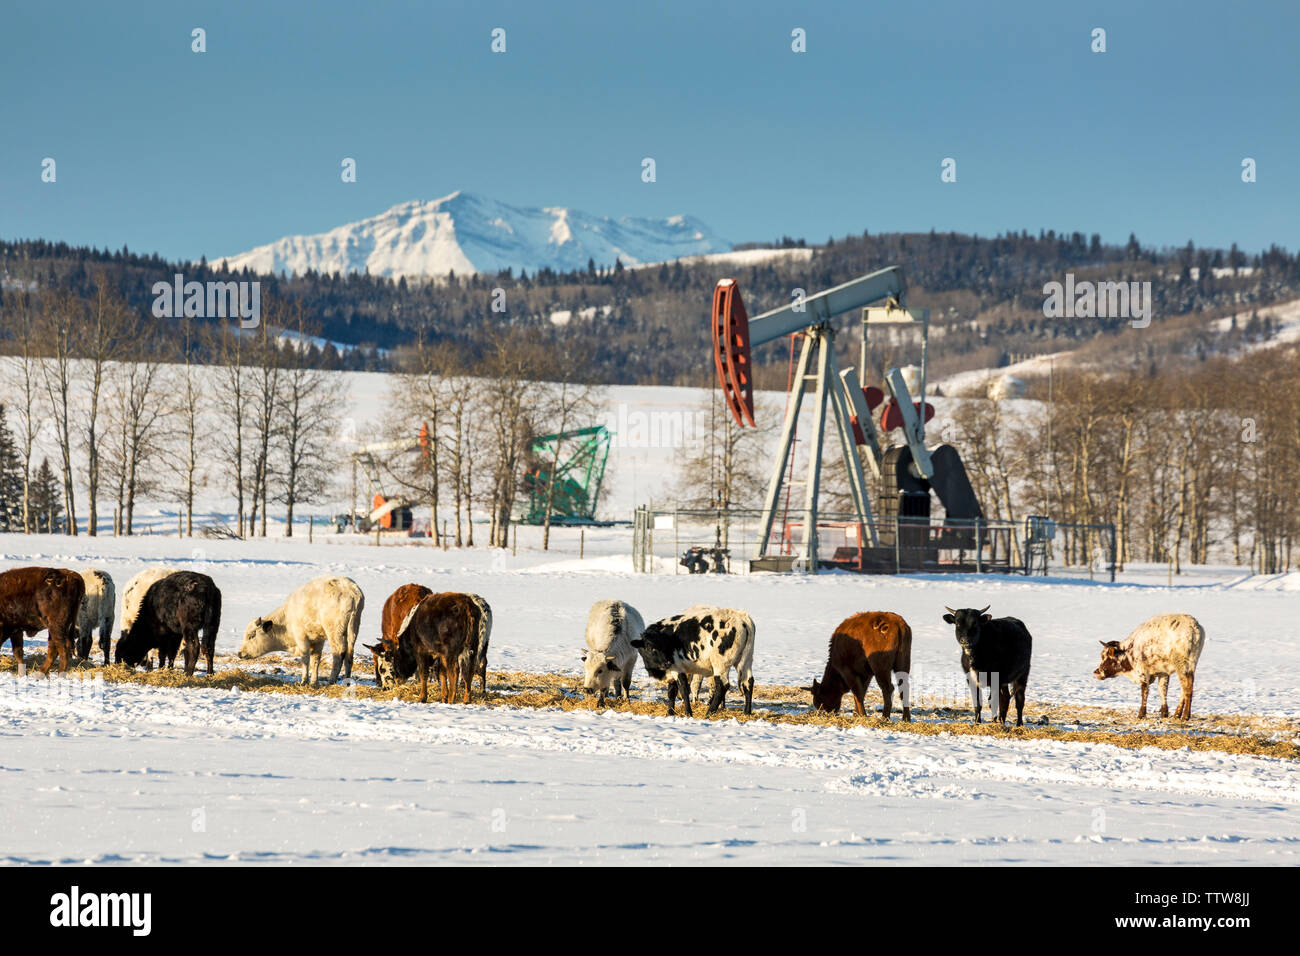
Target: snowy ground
[[146, 774]]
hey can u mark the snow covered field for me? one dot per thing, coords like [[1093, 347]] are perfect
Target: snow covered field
[[147, 774]]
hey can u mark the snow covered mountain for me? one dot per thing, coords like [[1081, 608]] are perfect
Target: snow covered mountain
[[469, 233]]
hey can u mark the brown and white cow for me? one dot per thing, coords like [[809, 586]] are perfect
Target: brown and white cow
[[394, 659], [1163, 645], [871, 644], [394, 655], [41, 599]]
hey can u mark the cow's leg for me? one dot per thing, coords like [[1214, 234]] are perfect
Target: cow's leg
[[748, 687], [717, 697], [15, 638], [684, 685], [1185, 682], [306, 666], [336, 665], [191, 653], [1164, 694], [672, 697], [1020, 702], [105, 638], [600, 698], [1142, 710], [1004, 701], [884, 679], [973, 684], [422, 667], [467, 677], [482, 676], [627, 687], [453, 679], [905, 692]]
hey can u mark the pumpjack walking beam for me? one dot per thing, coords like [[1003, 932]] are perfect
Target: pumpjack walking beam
[[734, 333]]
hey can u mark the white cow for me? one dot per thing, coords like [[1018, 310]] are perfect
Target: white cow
[[610, 658], [1163, 645], [96, 611], [324, 609]]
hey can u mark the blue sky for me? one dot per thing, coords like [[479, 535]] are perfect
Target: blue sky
[[188, 154]]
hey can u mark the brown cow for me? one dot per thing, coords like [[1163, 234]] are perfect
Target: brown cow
[[440, 628], [34, 599], [871, 644], [394, 659]]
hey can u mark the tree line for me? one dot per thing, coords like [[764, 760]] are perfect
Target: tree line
[[132, 414]]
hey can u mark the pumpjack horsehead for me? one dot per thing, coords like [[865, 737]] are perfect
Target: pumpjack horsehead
[[908, 472]]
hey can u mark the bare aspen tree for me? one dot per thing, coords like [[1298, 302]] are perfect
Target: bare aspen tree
[[60, 318], [139, 413], [309, 404], [509, 390], [233, 391], [191, 409], [265, 424], [101, 342]]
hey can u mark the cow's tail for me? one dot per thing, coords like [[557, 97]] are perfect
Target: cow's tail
[[211, 625], [351, 628], [903, 656]]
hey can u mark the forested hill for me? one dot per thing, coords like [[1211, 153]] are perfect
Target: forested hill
[[649, 325]]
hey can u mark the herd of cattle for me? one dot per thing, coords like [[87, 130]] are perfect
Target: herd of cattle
[[168, 610]]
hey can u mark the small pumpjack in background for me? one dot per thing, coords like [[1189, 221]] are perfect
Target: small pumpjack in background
[[908, 472]]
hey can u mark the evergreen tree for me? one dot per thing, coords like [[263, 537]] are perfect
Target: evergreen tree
[[46, 498], [11, 479]]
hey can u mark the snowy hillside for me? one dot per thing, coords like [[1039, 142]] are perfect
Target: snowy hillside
[[468, 233]]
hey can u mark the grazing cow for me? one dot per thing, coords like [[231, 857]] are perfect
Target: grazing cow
[[96, 611], [133, 597], [610, 658], [994, 652], [871, 644], [394, 655], [395, 660], [175, 611], [325, 609], [708, 641], [442, 627], [1166, 644], [41, 599]]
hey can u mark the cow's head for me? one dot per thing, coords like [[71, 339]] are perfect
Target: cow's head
[[599, 671], [1114, 661], [656, 652], [129, 651], [257, 640], [385, 670], [967, 623], [825, 697]]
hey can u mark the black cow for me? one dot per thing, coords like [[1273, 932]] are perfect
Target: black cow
[[174, 612], [994, 652]]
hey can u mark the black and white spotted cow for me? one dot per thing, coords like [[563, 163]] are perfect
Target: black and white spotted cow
[[703, 641]]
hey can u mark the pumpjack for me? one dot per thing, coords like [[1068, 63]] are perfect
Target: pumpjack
[[908, 471]]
